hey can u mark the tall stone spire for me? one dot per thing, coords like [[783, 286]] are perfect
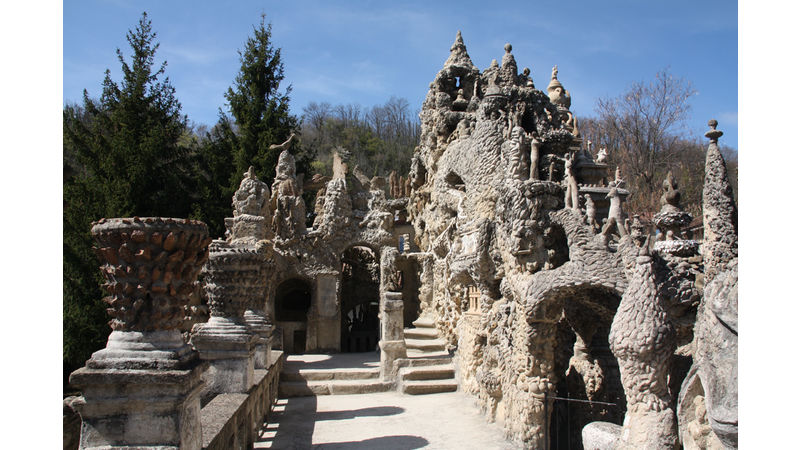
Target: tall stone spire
[[720, 219], [458, 54]]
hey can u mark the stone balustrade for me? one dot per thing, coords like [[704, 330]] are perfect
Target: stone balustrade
[[145, 388]]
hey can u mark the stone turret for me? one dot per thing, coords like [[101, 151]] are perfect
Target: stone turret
[[289, 217], [251, 213], [458, 55]]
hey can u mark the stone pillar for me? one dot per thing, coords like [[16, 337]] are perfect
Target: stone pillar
[[261, 327], [327, 321], [392, 344], [225, 340], [257, 320], [643, 340], [142, 390]]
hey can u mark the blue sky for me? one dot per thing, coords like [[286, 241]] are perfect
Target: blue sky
[[366, 51]]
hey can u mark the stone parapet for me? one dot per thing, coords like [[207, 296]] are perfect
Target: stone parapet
[[233, 420], [156, 409]]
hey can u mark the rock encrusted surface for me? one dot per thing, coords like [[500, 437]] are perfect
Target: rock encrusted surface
[[716, 336], [506, 202], [642, 338]]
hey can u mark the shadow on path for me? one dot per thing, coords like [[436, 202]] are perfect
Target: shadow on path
[[291, 425], [352, 414], [400, 442]]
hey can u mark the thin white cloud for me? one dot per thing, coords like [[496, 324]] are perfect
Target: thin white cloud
[[730, 118], [194, 55]]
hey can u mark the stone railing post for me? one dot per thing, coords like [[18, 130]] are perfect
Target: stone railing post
[[143, 389], [392, 344], [255, 317], [225, 341]]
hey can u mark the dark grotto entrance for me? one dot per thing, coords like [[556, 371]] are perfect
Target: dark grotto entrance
[[589, 387], [360, 300], [292, 302]]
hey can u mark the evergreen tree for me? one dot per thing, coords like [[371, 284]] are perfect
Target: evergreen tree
[[122, 158], [217, 176], [259, 117], [260, 111]]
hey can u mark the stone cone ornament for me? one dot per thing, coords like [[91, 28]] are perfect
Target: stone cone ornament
[[671, 220], [458, 54]]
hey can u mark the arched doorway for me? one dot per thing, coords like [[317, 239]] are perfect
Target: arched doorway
[[360, 300], [292, 302], [586, 371]]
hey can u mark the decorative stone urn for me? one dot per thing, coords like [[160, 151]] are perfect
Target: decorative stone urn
[[225, 340], [142, 389]]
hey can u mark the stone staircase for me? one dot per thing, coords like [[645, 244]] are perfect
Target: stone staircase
[[428, 368], [296, 381]]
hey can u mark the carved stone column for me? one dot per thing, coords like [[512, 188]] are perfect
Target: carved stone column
[[142, 390], [392, 343], [256, 319], [225, 340], [642, 339]]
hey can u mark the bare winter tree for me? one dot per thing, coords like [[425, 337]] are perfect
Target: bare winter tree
[[378, 139], [644, 130]]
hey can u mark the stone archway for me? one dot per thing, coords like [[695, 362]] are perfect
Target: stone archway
[[293, 298], [584, 368], [568, 321], [360, 300]]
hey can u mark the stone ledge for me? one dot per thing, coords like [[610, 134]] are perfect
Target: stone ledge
[[232, 420]]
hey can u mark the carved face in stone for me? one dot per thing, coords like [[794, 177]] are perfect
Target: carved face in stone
[[516, 134]]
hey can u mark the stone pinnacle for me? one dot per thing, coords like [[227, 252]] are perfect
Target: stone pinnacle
[[713, 134]]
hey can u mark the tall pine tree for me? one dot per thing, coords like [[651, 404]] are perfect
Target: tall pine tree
[[122, 158], [260, 111], [258, 117]]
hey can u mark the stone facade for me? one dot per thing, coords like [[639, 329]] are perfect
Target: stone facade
[[507, 202]]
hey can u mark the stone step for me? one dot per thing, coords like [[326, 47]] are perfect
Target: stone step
[[420, 333], [423, 361], [329, 374], [412, 353], [431, 345], [433, 372], [332, 387], [424, 322], [416, 387]]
